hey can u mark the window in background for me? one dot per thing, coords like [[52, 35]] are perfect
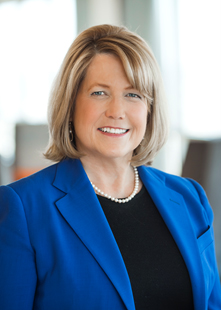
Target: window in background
[[35, 36], [190, 58], [200, 60]]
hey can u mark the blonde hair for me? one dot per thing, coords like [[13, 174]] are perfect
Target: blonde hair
[[142, 72]]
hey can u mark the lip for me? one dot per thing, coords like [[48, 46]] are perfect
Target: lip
[[113, 127], [113, 134]]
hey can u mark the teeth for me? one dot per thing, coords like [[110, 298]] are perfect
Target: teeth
[[112, 130]]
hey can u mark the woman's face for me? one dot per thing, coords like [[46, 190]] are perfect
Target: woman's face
[[110, 115]]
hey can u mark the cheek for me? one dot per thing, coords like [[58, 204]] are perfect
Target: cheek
[[85, 116], [140, 117]]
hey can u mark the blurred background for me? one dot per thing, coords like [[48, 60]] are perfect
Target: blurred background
[[185, 36]]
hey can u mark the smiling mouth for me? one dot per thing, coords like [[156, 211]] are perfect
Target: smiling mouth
[[116, 131]]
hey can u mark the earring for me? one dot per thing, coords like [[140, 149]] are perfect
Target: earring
[[71, 132], [141, 141]]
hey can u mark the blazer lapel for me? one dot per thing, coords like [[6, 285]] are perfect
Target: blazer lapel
[[81, 209], [173, 210]]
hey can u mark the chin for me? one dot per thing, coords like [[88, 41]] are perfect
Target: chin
[[117, 155]]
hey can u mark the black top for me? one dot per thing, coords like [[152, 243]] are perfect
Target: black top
[[157, 271]]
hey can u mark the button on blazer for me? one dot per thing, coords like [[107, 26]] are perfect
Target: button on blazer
[[57, 250]]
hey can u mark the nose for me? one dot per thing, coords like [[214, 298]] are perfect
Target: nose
[[115, 109]]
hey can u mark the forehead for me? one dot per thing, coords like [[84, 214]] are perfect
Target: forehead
[[105, 68]]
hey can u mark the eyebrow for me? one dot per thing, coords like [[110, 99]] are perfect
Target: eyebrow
[[107, 86]]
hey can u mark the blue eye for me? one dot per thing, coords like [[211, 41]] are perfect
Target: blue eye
[[97, 93], [132, 95]]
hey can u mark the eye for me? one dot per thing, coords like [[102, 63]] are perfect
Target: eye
[[98, 93], [132, 95]]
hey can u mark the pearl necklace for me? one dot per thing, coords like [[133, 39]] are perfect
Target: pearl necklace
[[136, 186]]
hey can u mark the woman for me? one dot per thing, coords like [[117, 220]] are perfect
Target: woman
[[93, 231]]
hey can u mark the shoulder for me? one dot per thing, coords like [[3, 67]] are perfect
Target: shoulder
[[30, 186], [192, 192], [48, 184], [39, 178], [176, 182]]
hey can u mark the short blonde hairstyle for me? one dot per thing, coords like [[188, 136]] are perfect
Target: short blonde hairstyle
[[142, 72]]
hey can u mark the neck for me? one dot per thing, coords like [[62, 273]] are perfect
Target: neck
[[116, 178]]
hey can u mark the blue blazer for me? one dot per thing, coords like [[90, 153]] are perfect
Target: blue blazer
[[57, 250]]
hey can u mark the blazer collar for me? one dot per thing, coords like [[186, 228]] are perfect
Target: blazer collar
[[173, 210], [82, 210]]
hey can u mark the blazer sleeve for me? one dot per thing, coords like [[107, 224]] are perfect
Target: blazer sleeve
[[17, 258], [214, 296]]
